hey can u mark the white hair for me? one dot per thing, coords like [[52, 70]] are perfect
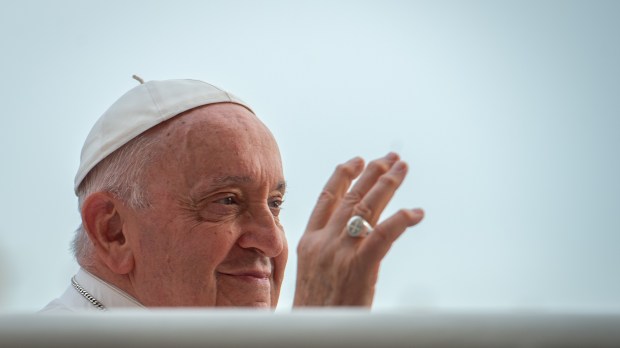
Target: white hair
[[122, 174]]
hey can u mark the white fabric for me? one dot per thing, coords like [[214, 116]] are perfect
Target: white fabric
[[142, 108], [109, 296]]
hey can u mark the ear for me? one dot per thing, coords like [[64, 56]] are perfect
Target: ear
[[104, 225]]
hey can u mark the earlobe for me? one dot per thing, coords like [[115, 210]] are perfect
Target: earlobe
[[104, 225]]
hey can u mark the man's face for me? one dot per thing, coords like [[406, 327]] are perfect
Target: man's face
[[212, 235]]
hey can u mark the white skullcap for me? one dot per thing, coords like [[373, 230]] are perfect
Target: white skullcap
[[140, 109]]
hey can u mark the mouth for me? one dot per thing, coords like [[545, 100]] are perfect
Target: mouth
[[251, 276]]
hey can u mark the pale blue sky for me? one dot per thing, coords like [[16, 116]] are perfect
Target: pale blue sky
[[508, 113]]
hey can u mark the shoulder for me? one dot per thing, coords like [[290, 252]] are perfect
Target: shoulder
[[69, 301], [56, 306]]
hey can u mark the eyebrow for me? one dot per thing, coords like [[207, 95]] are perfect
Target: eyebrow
[[236, 179]]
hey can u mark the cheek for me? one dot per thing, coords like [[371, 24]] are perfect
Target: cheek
[[203, 248], [181, 250]]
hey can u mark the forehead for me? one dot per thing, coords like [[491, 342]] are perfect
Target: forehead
[[225, 126], [219, 141]]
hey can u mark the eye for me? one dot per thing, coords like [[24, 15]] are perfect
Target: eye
[[276, 203], [226, 201]]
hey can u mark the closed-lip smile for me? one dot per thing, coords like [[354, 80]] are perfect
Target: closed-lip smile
[[258, 274]]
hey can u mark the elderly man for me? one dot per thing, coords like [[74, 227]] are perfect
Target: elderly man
[[180, 187]]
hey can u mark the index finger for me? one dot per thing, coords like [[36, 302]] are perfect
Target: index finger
[[335, 188]]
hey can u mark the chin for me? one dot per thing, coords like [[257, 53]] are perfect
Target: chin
[[247, 303], [254, 304]]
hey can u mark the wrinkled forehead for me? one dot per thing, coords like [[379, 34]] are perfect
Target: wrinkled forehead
[[218, 128], [213, 142]]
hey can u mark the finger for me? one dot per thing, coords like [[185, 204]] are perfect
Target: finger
[[378, 243], [334, 190], [368, 179], [379, 196]]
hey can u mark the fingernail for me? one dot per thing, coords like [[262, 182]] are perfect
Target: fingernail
[[400, 166], [355, 160], [417, 211], [392, 156]]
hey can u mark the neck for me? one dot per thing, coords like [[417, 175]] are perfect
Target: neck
[[121, 281]]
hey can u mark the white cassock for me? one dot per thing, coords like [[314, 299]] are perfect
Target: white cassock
[[108, 295]]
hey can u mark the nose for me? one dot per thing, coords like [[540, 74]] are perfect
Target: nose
[[261, 231]]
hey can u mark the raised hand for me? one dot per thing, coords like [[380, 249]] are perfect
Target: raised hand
[[335, 268]]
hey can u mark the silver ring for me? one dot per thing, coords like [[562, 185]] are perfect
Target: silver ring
[[358, 227]]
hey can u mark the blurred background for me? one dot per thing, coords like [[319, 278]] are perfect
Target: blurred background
[[508, 113]]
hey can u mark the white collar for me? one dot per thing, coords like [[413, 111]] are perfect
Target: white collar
[[109, 295]]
